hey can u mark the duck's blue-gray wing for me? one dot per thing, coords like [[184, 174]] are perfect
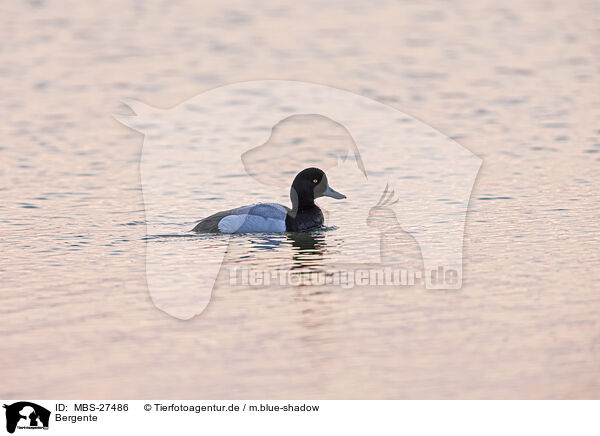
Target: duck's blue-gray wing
[[262, 217]]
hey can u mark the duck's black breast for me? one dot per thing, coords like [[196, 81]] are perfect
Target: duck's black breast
[[305, 219]]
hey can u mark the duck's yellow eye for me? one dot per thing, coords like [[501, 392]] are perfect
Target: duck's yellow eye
[[315, 180]]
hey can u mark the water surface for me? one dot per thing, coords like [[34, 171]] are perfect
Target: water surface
[[516, 84]]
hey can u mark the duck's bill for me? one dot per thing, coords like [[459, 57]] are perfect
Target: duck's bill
[[333, 193]]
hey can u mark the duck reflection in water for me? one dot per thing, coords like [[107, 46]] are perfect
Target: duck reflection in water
[[308, 250]]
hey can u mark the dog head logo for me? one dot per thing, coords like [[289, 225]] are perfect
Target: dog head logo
[[26, 415], [191, 150]]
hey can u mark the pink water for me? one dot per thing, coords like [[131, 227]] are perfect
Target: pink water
[[516, 84]]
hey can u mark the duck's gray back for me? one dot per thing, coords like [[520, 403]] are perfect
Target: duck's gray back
[[256, 217]]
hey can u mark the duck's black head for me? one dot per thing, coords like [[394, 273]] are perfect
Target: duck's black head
[[309, 184]]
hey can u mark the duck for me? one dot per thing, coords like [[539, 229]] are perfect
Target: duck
[[304, 215]]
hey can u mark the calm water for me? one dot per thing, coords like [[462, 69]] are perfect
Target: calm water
[[515, 84]]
